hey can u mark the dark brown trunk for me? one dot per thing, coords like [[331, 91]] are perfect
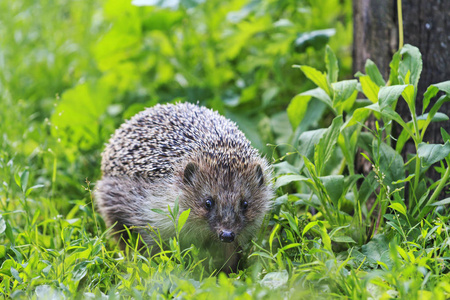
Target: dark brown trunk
[[427, 26]]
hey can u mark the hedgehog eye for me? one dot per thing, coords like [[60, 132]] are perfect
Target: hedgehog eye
[[209, 203], [244, 205]]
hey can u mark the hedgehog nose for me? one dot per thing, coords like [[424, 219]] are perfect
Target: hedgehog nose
[[226, 236]]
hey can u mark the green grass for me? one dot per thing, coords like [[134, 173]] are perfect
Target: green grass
[[70, 73]]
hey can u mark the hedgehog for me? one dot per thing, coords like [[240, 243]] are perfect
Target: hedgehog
[[190, 154]]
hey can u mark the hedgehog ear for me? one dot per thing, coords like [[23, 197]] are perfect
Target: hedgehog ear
[[189, 173], [259, 175]]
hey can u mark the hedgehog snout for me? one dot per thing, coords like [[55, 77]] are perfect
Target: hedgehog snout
[[226, 236]]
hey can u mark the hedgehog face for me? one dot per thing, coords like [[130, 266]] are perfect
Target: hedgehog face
[[231, 202]]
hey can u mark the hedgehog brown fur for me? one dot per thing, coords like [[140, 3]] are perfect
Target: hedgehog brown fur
[[197, 156]]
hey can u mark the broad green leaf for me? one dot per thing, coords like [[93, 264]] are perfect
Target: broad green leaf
[[16, 275], [334, 185], [398, 207], [407, 179], [441, 202], [412, 62], [326, 145], [445, 135], [37, 186], [433, 90], [344, 91], [433, 111], [321, 95], [325, 237], [2, 225], [409, 96], [77, 117], [387, 112], [309, 226], [308, 140], [275, 280], [299, 104], [389, 94], [374, 73], [370, 88], [316, 39], [347, 142], [297, 109], [393, 65], [342, 239], [375, 249], [24, 180], [80, 270], [319, 78], [182, 219], [293, 223], [390, 163], [422, 120], [369, 185], [332, 65], [286, 179], [432, 153]]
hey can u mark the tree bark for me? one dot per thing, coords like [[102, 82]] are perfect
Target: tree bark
[[426, 25]]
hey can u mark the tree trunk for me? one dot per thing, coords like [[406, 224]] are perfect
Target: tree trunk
[[426, 25]]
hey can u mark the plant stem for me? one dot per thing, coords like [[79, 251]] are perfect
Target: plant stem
[[400, 24]]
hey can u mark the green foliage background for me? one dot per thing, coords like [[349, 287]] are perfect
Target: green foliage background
[[71, 72]]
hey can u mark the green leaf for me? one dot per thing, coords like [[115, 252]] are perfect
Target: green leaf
[[445, 135], [308, 140], [321, 95], [286, 179], [399, 207], [390, 162], [77, 118], [393, 65], [334, 185], [374, 73], [332, 65], [370, 88], [432, 153], [316, 39], [409, 96], [16, 275], [37, 186], [386, 112], [433, 111], [326, 145], [182, 219], [80, 270], [24, 180], [344, 91], [275, 280], [441, 202], [433, 90], [2, 225], [389, 95], [422, 122], [309, 226], [297, 109], [412, 62], [375, 249], [317, 77], [342, 239], [2, 251], [292, 222]]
